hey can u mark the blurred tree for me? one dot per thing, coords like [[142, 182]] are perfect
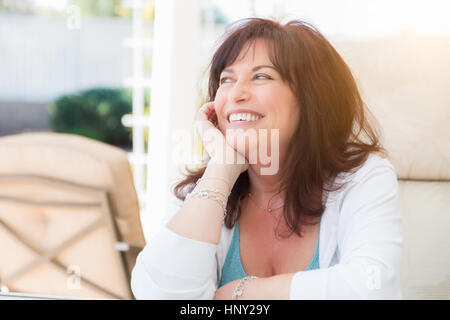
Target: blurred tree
[[18, 6], [104, 8], [97, 8], [111, 8]]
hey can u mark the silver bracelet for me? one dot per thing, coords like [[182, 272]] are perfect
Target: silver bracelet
[[205, 178], [206, 195], [240, 287], [215, 190]]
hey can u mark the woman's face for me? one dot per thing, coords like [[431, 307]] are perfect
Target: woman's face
[[251, 85]]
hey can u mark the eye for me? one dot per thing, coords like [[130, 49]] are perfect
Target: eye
[[263, 75], [221, 80]]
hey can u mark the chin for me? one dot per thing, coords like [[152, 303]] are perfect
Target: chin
[[250, 151]]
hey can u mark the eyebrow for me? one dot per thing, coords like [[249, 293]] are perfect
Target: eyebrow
[[254, 68]]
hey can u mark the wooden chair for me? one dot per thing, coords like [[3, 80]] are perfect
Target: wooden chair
[[69, 217]]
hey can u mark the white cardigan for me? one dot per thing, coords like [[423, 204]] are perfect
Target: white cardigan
[[360, 249]]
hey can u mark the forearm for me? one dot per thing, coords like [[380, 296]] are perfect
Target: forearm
[[200, 218], [272, 288]]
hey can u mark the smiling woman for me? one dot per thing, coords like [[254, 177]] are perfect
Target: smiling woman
[[325, 225], [293, 77]]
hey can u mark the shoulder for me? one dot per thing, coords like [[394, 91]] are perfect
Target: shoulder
[[373, 164], [372, 186], [374, 181]]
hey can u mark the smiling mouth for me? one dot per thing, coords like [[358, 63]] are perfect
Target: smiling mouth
[[233, 119]]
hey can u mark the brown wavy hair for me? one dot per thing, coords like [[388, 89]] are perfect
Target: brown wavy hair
[[333, 117]]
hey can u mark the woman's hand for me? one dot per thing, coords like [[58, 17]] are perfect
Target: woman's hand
[[217, 148]]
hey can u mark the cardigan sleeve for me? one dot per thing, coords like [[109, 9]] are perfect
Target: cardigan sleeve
[[173, 267], [369, 244]]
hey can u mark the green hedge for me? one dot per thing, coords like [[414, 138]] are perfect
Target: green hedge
[[94, 113]]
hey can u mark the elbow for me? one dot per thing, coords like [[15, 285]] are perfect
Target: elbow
[[366, 281], [142, 285], [137, 285], [386, 288], [145, 287], [379, 283]]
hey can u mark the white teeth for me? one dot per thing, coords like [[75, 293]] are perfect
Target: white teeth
[[243, 117]]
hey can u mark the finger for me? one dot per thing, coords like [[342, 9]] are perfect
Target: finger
[[208, 109], [207, 106]]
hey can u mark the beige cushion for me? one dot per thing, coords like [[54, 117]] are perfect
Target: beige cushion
[[426, 229], [79, 170], [403, 83]]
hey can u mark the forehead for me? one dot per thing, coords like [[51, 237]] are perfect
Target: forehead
[[253, 52]]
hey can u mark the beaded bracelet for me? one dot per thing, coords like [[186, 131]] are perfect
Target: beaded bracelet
[[205, 194], [240, 287]]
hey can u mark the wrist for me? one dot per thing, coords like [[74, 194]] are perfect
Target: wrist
[[228, 172], [239, 289]]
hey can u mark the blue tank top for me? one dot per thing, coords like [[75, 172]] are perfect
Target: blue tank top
[[232, 268]]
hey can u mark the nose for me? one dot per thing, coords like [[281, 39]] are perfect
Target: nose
[[240, 92]]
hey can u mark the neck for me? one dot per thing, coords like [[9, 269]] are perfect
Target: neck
[[265, 189]]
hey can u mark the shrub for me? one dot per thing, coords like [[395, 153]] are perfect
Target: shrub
[[94, 113]]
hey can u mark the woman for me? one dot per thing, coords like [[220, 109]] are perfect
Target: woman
[[325, 225]]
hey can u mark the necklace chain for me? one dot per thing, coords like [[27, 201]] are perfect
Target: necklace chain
[[268, 208]]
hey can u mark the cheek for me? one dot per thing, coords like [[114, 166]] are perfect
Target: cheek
[[291, 123], [219, 104], [286, 122]]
